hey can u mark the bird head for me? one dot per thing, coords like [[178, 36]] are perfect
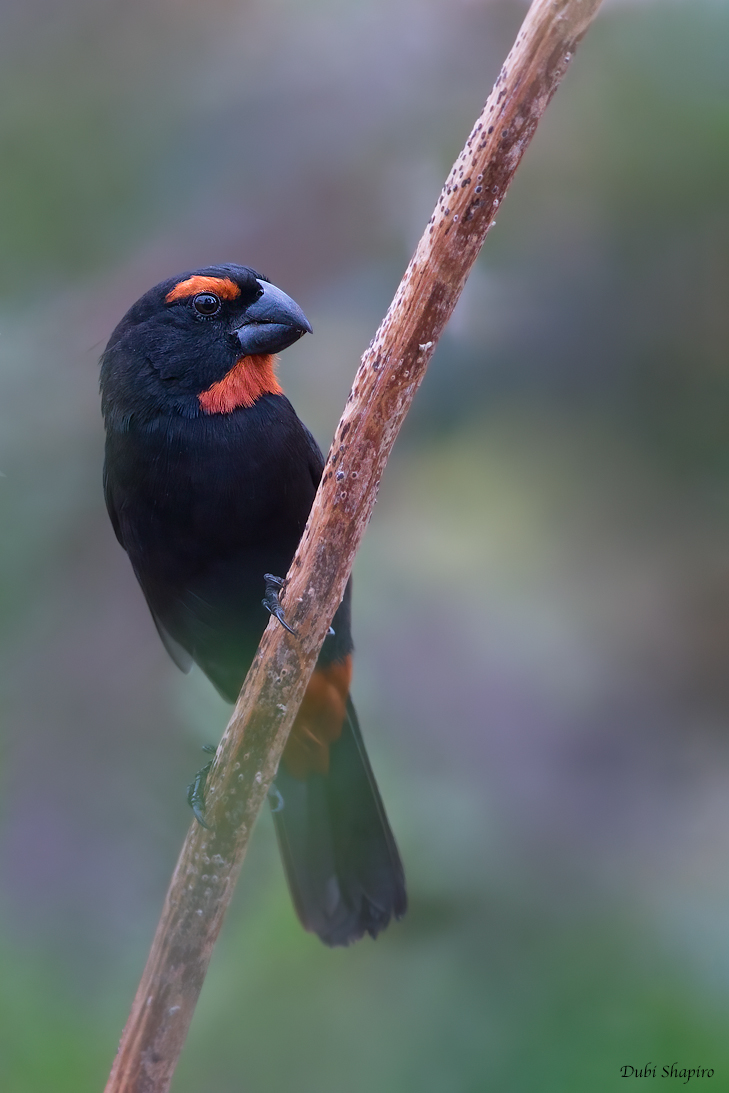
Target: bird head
[[201, 342]]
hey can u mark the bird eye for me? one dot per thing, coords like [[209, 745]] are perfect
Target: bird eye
[[207, 304]]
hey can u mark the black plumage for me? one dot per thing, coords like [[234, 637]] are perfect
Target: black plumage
[[209, 479]]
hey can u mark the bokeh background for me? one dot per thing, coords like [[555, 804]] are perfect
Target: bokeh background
[[542, 599]]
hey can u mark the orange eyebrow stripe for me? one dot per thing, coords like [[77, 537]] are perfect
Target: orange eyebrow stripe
[[319, 720], [222, 286], [248, 379]]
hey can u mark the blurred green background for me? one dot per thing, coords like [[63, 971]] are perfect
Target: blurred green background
[[542, 599]]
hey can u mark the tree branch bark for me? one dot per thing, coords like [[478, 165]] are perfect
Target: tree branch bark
[[388, 377]]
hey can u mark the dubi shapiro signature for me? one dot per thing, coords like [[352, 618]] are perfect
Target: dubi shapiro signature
[[673, 1070]]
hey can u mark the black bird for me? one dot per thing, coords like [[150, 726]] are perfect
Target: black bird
[[209, 478]]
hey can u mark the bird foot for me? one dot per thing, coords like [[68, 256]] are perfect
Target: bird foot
[[271, 601], [196, 790], [275, 799]]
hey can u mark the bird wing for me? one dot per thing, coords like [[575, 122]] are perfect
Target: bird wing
[[178, 653]]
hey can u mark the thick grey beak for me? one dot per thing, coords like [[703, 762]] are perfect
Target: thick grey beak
[[272, 323]]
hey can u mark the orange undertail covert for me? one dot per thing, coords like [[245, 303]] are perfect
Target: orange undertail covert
[[319, 720]]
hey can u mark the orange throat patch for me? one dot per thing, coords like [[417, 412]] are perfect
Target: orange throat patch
[[248, 379], [319, 720]]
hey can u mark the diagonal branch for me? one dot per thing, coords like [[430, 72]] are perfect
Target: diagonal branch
[[388, 377]]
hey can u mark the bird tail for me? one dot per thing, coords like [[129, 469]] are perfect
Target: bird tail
[[339, 854]]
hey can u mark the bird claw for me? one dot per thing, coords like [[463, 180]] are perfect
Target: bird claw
[[275, 799], [196, 792], [271, 601]]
